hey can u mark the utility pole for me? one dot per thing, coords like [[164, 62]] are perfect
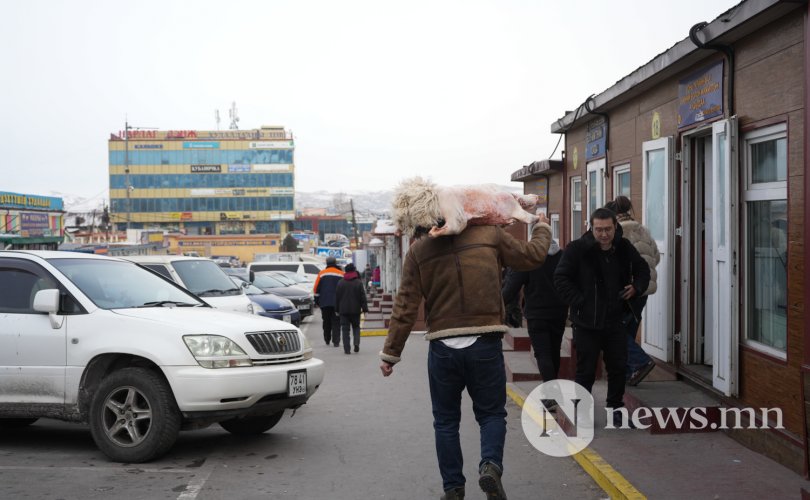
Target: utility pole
[[354, 226]]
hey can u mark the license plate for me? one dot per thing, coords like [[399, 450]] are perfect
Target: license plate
[[286, 318], [303, 306], [297, 383]]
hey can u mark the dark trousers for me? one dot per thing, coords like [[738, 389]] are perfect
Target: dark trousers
[[546, 336], [331, 325], [350, 321], [479, 368], [636, 357], [612, 343]]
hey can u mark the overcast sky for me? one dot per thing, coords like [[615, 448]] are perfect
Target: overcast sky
[[374, 91]]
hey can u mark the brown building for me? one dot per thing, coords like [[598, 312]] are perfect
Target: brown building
[[709, 141]]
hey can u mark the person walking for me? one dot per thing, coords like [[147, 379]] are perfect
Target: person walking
[[350, 301], [459, 278], [597, 274], [543, 308], [325, 289], [367, 272], [639, 363]]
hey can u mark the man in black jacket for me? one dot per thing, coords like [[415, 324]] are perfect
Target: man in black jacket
[[350, 301], [545, 311], [597, 276]]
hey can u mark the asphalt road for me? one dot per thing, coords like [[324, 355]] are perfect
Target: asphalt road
[[360, 436]]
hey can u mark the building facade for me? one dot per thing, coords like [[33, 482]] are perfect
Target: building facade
[[709, 140], [29, 221], [197, 182]]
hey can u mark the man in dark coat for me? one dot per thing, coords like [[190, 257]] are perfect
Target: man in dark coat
[[349, 303], [597, 276], [325, 288], [545, 311]]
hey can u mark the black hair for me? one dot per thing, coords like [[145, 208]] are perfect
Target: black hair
[[603, 213], [623, 204]]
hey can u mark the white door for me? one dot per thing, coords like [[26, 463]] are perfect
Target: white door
[[596, 186], [724, 289], [657, 210]]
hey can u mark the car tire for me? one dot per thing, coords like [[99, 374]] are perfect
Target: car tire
[[251, 425], [16, 423], [135, 436]]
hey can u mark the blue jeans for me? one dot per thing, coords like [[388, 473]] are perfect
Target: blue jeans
[[479, 368], [636, 357]]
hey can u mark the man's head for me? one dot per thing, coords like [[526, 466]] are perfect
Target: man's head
[[603, 225], [350, 268], [331, 262]]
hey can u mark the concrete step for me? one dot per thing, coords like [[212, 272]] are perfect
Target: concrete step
[[518, 339], [674, 394], [519, 367]]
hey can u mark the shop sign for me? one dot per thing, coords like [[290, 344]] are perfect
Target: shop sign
[[201, 145], [34, 224], [595, 139], [272, 167], [16, 200], [272, 145], [206, 168], [238, 168], [700, 96], [148, 146]]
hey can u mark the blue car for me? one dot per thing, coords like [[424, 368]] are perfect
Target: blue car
[[272, 305]]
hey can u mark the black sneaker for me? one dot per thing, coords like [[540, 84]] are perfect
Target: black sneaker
[[454, 494], [490, 482], [639, 374], [357, 348]]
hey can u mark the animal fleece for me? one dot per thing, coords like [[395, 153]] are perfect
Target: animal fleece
[[421, 204]]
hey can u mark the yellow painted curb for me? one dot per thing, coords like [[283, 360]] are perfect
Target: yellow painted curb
[[613, 483], [373, 333]]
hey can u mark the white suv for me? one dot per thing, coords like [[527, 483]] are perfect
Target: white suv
[[202, 277], [93, 339]]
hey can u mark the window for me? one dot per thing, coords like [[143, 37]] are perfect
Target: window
[[18, 290], [621, 181], [765, 236], [576, 207], [555, 227]]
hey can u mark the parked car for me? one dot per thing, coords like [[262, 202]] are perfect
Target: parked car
[[273, 306], [94, 339], [200, 276], [309, 270], [298, 279], [303, 298]]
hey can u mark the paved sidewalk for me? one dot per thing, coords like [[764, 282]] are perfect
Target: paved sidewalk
[[632, 463]]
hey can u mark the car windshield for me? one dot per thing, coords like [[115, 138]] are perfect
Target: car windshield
[[249, 288], [113, 284], [265, 281], [295, 277], [283, 278], [205, 278]]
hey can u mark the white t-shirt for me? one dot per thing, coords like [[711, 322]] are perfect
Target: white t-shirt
[[459, 342]]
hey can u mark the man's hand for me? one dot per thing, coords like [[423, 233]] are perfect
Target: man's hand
[[387, 368], [628, 292], [541, 217]]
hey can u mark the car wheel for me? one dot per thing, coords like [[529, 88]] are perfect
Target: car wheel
[[133, 416], [251, 425], [16, 423]]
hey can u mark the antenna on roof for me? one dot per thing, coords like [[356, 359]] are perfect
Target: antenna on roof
[[216, 113], [234, 117]]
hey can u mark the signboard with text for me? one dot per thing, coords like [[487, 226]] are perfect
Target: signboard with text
[[700, 96]]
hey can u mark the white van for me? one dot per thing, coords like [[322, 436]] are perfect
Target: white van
[[309, 270], [202, 277]]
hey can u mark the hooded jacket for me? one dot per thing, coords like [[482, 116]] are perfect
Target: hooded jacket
[[540, 298], [459, 277], [640, 237], [351, 295], [325, 286], [581, 283]]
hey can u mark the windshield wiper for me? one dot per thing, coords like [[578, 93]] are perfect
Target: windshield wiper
[[163, 303], [217, 291]]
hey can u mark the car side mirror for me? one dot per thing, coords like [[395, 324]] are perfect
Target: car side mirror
[[47, 301]]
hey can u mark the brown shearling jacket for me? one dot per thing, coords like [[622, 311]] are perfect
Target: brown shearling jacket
[[459, 276]]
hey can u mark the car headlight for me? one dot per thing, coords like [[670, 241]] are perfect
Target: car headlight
[[215, 351], [307, 346], [255, 308]]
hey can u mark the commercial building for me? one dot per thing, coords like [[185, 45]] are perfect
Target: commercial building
[[29, 221], [198, 182], [710, 142]]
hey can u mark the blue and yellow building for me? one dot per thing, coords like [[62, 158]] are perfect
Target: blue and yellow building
[[198, 182], [30, 221]]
